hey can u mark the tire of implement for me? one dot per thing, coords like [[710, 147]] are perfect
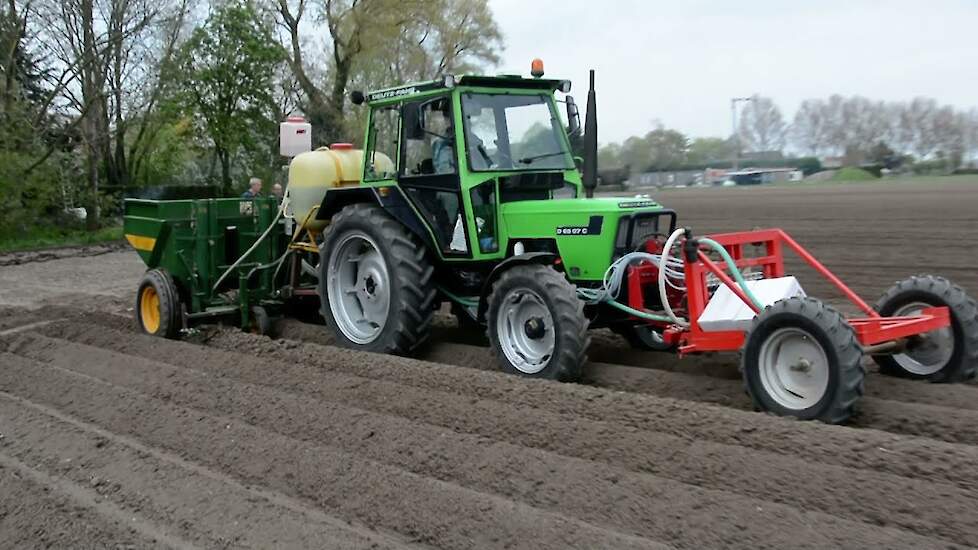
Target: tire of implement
[[936, 291], [829, 330]]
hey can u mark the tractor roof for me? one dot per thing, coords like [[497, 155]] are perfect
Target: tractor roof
[[508, 81]]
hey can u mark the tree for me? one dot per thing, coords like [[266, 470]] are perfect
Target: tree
[[809, 131], [762, 126], [377, 43], [668, 148], [103, 66], [610, 156], [229, 69], [703, 151]]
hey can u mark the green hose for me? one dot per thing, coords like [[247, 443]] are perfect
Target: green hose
[[638, 313], [733, 269]]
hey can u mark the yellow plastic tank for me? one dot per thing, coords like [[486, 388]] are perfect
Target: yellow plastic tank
[[313, 172]]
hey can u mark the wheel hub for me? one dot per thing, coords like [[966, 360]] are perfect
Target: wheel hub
[[357, 287], [793, 368], [525, 330], [926, 353], [535, 328]]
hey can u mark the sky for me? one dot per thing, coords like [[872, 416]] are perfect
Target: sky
[[679, 62]]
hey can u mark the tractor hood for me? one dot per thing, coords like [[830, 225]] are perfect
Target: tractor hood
[[587, 233]]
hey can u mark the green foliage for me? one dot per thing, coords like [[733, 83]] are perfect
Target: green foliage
[[808, 165], [660, 149], [50, 235], [703, 151], [228, 69], [25, 198], [849, 173]]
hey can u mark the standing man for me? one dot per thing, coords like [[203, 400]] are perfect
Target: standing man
[[277, 192], [254, 189]]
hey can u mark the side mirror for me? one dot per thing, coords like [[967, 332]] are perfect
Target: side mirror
[[573, 117]]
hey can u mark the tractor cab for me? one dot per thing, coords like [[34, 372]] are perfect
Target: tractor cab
[[464, 147], [484, 172]]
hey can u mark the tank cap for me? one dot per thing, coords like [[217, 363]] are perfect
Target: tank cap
[[341, 146]]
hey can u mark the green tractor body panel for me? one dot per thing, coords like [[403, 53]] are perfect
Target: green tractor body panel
[[584, 230]]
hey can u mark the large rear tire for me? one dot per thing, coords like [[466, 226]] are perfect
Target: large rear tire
[[802, 359], [536, 324], [944, 355], [158, 310], [375, 282]]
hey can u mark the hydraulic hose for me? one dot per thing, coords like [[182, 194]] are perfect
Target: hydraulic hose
[[663, 263], [250, 250], [733, 269]]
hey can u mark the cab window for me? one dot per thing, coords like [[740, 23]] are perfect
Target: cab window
[[429, 140], [382, 143]]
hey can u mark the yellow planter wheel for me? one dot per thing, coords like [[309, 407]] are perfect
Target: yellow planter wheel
[[158, 309]]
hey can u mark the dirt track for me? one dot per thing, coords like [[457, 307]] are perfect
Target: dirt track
[[113, 439]]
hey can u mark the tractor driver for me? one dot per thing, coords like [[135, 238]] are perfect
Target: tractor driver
[[442, 146]]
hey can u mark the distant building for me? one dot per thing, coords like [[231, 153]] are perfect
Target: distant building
[[714, 176]]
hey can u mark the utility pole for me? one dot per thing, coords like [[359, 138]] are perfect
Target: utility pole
[[733, 122]]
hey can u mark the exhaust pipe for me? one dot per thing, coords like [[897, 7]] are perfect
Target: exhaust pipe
[[591, 142]]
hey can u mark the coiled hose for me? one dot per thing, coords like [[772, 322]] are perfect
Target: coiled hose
[[670, 269]]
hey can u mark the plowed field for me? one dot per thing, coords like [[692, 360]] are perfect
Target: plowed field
[[113, 439]]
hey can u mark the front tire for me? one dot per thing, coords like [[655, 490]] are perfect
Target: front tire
[[802, 359], [944, 355], [375, 282], [536, 324]]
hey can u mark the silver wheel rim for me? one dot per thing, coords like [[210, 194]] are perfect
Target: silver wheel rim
[[928, 352], [358, 288], [525, 330], [794, 368]]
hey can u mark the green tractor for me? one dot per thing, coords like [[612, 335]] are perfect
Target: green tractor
[[467, 192], [484, 207]]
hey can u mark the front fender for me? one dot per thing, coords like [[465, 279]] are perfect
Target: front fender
[[542, 258]]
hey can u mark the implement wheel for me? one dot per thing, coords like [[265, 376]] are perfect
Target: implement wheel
[[949, 354], [158, 305], [802, 359], [536, 324], [643, 337], [375, 283]]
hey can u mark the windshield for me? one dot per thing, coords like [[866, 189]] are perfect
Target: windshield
[[513, 132]]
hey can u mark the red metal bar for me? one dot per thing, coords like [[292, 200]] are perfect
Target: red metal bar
[[874, 330], [727, 340], [852, 296], [726, 280], [635, 298]]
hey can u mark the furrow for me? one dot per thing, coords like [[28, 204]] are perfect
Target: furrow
[[203, 506], [426, 510], [842, 491]]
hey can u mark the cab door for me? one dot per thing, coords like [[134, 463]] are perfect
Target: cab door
[[429, 175]]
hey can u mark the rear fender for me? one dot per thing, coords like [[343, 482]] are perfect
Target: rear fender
[[390, 198]]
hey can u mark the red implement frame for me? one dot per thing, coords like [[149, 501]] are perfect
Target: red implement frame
[[872, 329]]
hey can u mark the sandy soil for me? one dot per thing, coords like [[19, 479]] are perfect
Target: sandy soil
[[112, 439]]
